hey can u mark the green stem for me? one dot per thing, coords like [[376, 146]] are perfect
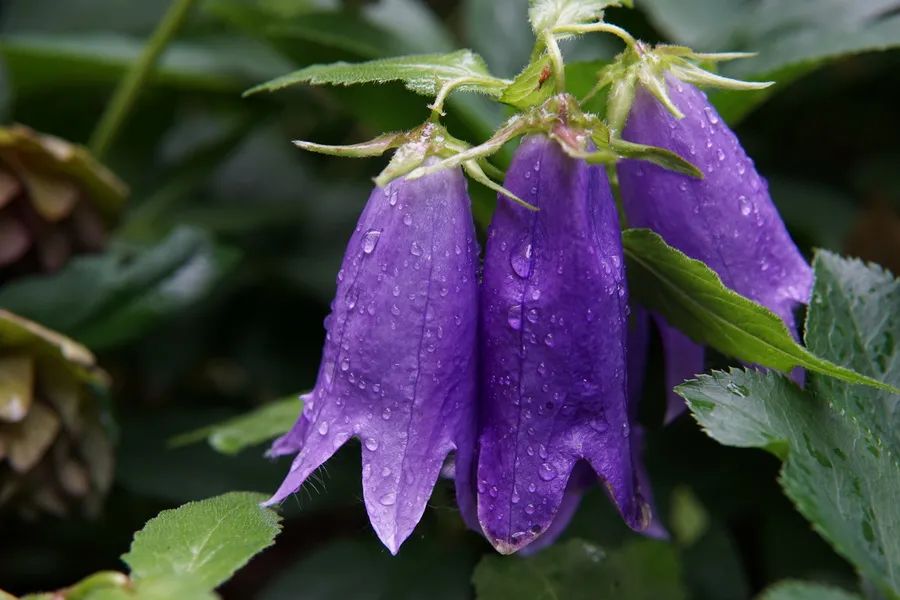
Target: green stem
[[556, 60], [130, 86]]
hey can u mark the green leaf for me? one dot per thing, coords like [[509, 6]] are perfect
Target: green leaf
[[578, 569], [261, 425], [132, 289], [546, 15], [802, 590], [692, 298], [854, 321], [208, 540], [531, 87], [834, 471], [421, 73]]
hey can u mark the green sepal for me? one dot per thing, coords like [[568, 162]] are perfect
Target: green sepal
[[639, 64]]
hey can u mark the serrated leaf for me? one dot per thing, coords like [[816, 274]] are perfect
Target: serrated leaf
[[207, 540], [421, 73], [692, 298], [854, 321], [840, 469], [835, 472], [579, 570], [132, 288], [803, 590], [530, 87], [546, 15], [251, 429]]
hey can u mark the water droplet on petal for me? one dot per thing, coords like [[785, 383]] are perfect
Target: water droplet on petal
[[547, 472], [323, 427], [407, 219], [415, 249], [372, 444], [549, 341], [746, 206], [520, 260], [386, 414], [370, 240], [388, 499], [514, 318], [345, 364]]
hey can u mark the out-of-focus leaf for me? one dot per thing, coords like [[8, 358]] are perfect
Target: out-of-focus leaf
[[40, 61], [802, 590], [577, 569], [487, 21], [412, 23], [790, 38], [208, 540], [131, 289], [821, 215], [422, 73], [691, 297], [426, 568], [251, 429]]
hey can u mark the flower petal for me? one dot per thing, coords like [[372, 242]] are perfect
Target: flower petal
[[398, 370], [727, 219], [553, 311]]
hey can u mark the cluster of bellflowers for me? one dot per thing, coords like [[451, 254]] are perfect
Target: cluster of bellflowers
[[516, 371]]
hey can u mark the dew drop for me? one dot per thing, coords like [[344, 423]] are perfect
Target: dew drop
[[720, 154], [520, 260], [549, 341], [386, 472], [372, 444], [386, 414], [345, 364], [388, 499], [323, 428], [529, 509], [395, 310], [407, 219], [415, 249], [370, 240], [514, 318], [711, 115], [745, 205]]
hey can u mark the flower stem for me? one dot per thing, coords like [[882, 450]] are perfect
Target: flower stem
[[556, 60], [600, 28], [129, 87]]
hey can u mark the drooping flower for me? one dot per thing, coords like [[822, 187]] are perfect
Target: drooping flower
[[55, 452], [55, 200], [553, 336], [727, 219], [398, 370]]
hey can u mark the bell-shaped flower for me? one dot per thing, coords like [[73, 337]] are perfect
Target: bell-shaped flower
[[398, 370], [726, 219], [553, 351]]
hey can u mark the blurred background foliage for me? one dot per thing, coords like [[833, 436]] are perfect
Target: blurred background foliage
[[209, 297]]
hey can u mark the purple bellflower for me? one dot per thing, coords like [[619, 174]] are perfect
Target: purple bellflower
[[727, 219], [554, 395], [398, 369]]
